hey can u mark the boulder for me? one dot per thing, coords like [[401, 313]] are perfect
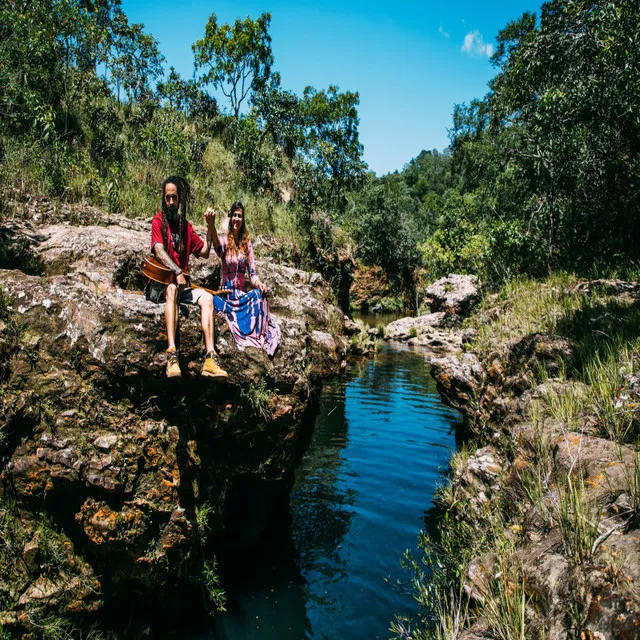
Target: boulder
[[537, 350], [459, 380], [121, 458], [456, 294], [406, 328], [437, 333], [438, 342]]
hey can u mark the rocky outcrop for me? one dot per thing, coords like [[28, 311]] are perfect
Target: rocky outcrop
[[123, 476], [440, 332], [455, 294], [559, 498], [370, 291], [459, 379], [436, 332]]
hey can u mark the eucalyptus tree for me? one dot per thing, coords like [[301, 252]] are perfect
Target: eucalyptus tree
[[331, 141], [186, 96], [278, 113], [51, 53], [236, 59], [133, 58]]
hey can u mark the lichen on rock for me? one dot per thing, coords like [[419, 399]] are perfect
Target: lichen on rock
[[541, 513], [120, 460]]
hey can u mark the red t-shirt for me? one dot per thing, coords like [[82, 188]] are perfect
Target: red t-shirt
[[193, 240]]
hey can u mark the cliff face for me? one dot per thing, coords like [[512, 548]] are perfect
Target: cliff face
[[114, 479]]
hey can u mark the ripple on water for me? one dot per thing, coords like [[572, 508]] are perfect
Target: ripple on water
[[381, 441]]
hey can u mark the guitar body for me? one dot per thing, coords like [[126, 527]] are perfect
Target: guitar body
[[156, 271]]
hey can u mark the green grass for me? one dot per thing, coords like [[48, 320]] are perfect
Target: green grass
[[212, 587], [131, 185], [603, 399], [578, 519], [604, 332], [204, 512], [258, 397], [526, 306], [505, 604]]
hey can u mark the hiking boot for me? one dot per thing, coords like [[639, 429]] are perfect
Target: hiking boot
[[211, 370], [173, 366]]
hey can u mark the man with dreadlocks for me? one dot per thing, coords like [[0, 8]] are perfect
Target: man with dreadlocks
[[173, 240]]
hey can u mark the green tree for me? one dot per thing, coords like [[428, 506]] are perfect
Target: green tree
[[186, 96], [382, 225], [331, 143], [235, 59], [50, 54], [545, 169], [278, 114], [134, 59], [428, 173], [568, 84]]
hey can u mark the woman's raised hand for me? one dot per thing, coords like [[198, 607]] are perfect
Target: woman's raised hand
[[210, 216]]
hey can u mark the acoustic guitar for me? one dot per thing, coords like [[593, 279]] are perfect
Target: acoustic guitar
[[155, 270]]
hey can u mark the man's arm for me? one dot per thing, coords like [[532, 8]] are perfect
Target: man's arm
[[161, 254]]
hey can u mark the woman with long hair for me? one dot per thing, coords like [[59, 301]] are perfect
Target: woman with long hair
[[246, 311]]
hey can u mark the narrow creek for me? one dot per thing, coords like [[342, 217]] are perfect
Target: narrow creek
[[381, 442]]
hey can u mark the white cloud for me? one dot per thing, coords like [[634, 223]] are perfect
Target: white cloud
[[443, 32], [475, 45]]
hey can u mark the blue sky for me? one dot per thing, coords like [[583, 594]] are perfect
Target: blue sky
[[409, 61]]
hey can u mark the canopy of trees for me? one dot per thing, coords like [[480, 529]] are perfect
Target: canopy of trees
[[542, 172], [547, 163]]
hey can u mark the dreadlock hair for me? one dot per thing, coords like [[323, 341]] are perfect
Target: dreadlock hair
[[184, 197], [243, 236]]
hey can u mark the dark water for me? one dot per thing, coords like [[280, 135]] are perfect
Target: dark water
[[381, 441]]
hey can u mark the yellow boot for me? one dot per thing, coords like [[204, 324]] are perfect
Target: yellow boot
[[211, 370], [173, 366]]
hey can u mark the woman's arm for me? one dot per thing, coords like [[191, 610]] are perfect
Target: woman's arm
[[212, 233], [253, 274]]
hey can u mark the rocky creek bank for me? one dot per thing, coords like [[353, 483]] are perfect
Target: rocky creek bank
[[541, 515], [117, 484], [440, 331]]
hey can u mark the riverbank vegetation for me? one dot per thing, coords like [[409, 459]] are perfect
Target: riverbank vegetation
[[565, 468], [541, 174]]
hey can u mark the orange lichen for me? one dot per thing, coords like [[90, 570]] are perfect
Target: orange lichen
[[595, 480]]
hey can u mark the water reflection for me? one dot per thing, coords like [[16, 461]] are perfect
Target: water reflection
[[322, 505], [382, 438]]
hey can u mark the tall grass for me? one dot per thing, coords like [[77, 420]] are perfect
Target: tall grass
[[578, 520], [525, 307], [130, 181], [601, 398], [505, 605], [604, 331]]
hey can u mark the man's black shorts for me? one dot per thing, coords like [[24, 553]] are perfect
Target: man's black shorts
[[154, 292]]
